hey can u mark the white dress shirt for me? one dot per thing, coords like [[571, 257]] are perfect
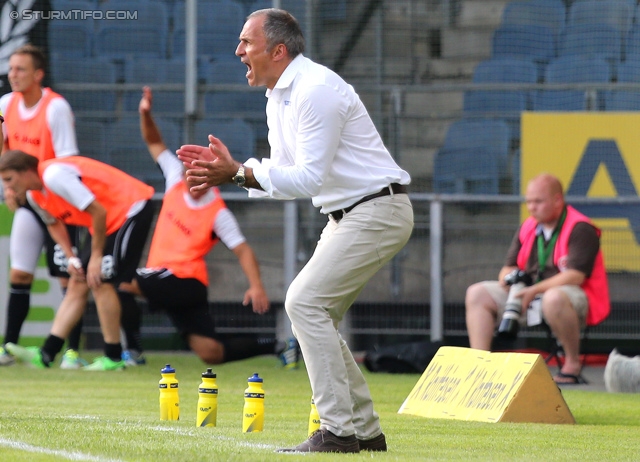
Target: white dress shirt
[[323, 143]]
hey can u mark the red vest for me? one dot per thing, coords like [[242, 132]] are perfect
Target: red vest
[[182, 237], [32, 136], [595, 286], [115, 190]]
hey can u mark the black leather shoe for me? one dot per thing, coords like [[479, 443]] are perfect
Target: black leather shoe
[[379, 443], [323, 440]]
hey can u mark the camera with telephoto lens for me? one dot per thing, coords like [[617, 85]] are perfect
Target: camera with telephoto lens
[[509, 325]]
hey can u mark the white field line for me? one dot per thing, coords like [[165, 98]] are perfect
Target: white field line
[[71, 455]]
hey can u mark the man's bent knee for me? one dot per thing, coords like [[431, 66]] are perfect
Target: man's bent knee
[[20, 277]]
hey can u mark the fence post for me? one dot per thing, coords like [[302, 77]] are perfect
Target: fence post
[[435, 244], [290, 245]]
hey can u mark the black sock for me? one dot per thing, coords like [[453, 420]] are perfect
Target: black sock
[[130, 320], [52, 346], [113, 351], [242, 347], [17, 311], [73, 340]]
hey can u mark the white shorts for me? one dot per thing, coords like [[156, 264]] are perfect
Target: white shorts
[[577, 298]]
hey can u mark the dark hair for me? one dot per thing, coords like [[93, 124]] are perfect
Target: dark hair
[[37, 55], [18, 160], [281, 27]]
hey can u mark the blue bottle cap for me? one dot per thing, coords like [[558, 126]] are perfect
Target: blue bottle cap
[[255, 378], [168, 370]]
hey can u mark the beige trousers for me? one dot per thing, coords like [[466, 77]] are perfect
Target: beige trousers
[[347, 255]]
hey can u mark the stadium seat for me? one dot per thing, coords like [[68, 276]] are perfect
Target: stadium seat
[[127, 151], [236, 134], [473, 158], [66, 5], [219, 25], [471, 133], [547, 13], [150, 71], [85, 70], [525, 40], [625, 100], [615, 13], [92, 136], [502, 104], [466, 171], [592, 39], [72, 38], [242, 103], [572, 69], [145, 36]]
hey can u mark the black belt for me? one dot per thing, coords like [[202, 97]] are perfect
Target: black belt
[[337, 215]]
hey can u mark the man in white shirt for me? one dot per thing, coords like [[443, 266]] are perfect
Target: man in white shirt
[[324, 146]]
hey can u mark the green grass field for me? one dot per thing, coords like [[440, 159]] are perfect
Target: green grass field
[[56, 415]]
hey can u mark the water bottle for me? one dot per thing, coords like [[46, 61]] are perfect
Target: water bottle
[[169, 399], [207, 412], [253, 412], [314, 418]]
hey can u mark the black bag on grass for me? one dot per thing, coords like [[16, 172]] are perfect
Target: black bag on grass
[[405, 358]]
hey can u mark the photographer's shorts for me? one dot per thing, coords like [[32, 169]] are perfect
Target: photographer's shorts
[[577, 298]]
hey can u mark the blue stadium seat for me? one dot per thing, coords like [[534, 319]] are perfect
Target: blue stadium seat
[[66, 5], [473, 157], [572, 69], [145, 36], [236, 134], [71, 37], [150, 71], [592, 39], [471, 133], [85, 70], [219, 25], [526, 40], [547, 13], [505, 70], [127, 151], [615, 13], [466, 171], [92, 139], [242, 103], [625, 100], [502, 104]]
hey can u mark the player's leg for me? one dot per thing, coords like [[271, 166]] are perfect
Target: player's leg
[[25, 244]]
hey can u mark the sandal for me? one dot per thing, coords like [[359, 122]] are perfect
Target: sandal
[[568, 379]]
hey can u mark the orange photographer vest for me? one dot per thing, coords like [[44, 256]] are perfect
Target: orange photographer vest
[[32, 136], [113, 189], [183, 235], [595, 286]]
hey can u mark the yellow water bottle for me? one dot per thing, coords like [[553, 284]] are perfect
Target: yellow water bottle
[[253, 412], [314, 418], [169, 399], [207, 413]]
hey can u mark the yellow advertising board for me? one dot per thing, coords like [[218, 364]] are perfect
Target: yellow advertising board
[[594, 155], [468, 384]]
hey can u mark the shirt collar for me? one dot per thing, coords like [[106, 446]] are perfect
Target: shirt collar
[[289, 74]]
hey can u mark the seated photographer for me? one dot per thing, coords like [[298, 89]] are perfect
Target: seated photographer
[[570, 282]]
